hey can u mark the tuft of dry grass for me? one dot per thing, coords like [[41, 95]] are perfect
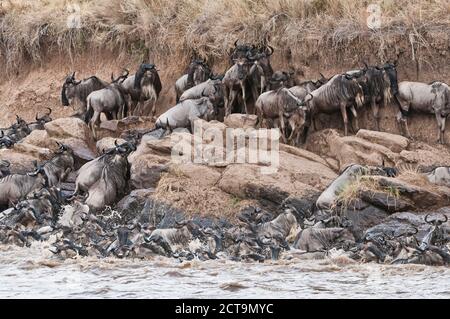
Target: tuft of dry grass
[[350, 194], [175, 30]]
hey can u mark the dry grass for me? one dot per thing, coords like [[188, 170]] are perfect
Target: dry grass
[[196, 198], [164, 30], [351, 192]]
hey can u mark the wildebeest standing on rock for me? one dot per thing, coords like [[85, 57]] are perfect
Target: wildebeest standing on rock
[[79, 90], [431, 98], [339, 93], [235, 81], [110, 99], [143, 86], [272, 106]]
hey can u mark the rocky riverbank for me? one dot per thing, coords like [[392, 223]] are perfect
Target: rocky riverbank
[[377, 210]]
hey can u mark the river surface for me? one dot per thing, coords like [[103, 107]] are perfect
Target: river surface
[[34, 273]]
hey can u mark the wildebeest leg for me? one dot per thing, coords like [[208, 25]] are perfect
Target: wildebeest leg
[[233, 95], [355, 115], [133, 107], [282, 127], [95, 120], [153, 112], [375, 112], [344, 117], [244, 98], [441, 127]]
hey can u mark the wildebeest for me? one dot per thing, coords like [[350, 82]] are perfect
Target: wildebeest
[[143, 86], [110, 99], [171, 239], [73, 90], [90, 173], [40, 121], [58, 168], [327, 200], [315, 239], [241, 51], [440, 175], [272, 105], [16, 186], [301, 90], [4, 168], [112, 182], [13, 134], [341, 92], [281, 79], [431, 98], [261, 72], [186, 112], [213, 86], [436, 235], [198, 72], [235, 80]]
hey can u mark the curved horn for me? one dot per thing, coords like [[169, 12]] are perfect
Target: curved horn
[[49, 110], [127, 72], [3, 134], [112, 76], [322, 75], [416, 229], [115, 143], [445, 219], [36, 117], [73, 75], [271, 50], [426, 219], [235, 42]]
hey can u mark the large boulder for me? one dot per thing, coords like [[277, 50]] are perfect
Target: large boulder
[[237, 120], [114, 128], [394, 142], [74, 133]]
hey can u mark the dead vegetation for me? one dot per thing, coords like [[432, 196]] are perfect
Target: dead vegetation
[[303, 32]]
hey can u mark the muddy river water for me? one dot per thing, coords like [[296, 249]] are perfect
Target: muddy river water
[[34, 273]]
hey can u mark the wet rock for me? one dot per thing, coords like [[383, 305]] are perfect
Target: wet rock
[[362, 217], [394, 142], [422, 197], [159, 214], [244, 121], [131, 205], [385, 201]]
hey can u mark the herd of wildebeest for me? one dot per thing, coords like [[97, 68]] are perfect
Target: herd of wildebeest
[[85, 221]]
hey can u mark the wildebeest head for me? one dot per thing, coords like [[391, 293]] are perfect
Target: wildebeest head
[[198, 72], [241, 51], [391, 70], [62, 148], [143, 68], [262, 60], [44, 118], [39, 171], [68, 89], [437, 234], [243, 66], [281, 79], [124, 148], [121, 77]]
